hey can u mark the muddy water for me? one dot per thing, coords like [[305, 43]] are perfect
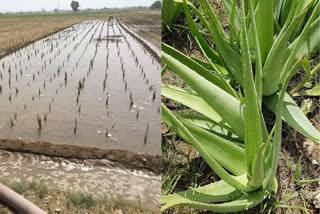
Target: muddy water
[[92, 84], [97, 177]]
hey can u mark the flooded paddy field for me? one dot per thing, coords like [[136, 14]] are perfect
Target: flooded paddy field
[[92, 84]]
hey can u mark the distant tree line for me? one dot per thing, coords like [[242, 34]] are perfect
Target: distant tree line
[[75, 7]]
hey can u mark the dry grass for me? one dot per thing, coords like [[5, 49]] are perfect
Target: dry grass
[[56, 201]]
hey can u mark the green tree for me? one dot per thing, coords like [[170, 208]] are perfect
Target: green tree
[[75, 5]]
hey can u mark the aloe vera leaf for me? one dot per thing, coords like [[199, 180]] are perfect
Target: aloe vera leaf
[[207, 50], [222, 102], [231, 58], [192, 64], [217, 147], [274, 63], [238, 182], [293, 115], [216, 192], [292, 57], [309, 42], [260, 58], [243, 203], [277, 139], [213, 144], [253, 132], [169, 12], [265, 27], [193, 101], [211, 126], [258, 168]]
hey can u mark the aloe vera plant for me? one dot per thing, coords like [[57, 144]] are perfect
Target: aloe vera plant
[[250, 66]]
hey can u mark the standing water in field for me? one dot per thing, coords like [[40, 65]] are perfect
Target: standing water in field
[[93, 85]]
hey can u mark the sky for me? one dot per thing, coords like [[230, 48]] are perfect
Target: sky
[[50, 5]]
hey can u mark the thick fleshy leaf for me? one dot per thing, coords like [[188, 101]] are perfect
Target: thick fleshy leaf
[[195, 66], [207, 50], [258, 38], [243, 203], [222, 102], [205, 123], [276, 58], [169, 10], [302, 5], [284, 11], [253, 131], [238, 182], [219, 191], [265, 27], [292, 57], [277, 138], [192, 100], [258, 168], [230, 56], [226, 153], [293, 115], [310, 40]]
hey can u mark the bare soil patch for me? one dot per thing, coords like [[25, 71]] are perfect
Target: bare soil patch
[[17, 32]]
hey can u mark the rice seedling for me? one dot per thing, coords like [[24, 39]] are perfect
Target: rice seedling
[[107, 102], [45, 118], [65, 78], [39, 122], [250, 66], [11, 122], [75, 126], [146, 134], [131, 102], [154, 95]]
